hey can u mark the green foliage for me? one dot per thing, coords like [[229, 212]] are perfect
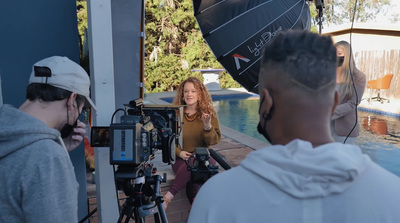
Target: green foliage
[[314, 13], [174, 46], [163, 76], [226, 81], [82, 19]]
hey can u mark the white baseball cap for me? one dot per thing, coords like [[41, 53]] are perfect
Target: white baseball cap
[[63, 73]]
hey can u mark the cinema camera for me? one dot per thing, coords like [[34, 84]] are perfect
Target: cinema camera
[[133, 141], [142, 130], [201, 170]]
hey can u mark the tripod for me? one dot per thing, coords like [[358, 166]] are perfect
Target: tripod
[[144, 196]]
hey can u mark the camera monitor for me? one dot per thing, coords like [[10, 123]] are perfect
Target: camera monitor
[[100, 136]]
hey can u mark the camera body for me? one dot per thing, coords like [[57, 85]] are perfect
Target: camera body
[[141, 131], [133, 140], [201, 170]]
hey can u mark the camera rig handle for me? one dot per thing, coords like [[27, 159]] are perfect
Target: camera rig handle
[[168, 141], [219, 159]]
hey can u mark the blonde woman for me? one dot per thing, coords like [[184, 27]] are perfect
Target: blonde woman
[[200, 129], [350, 85]]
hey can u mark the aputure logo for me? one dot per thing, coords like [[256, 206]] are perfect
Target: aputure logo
[[237, 58]]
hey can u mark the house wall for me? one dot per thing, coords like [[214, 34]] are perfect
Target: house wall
[[376, 51], [31, 31]]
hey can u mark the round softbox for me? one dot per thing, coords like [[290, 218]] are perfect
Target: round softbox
[[237, 30]]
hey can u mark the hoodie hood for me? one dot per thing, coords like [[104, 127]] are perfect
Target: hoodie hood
[[18, 129], [306, 172]]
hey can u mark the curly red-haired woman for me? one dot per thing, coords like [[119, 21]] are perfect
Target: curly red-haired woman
[[200, 129]]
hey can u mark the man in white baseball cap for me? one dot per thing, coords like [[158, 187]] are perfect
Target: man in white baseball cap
[[62, 73], [38, 179]]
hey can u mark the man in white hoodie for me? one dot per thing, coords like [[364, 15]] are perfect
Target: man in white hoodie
[[38, 182], [304, 176]]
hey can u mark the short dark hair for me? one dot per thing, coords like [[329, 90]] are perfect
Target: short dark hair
[[307, 57], [46, 92]]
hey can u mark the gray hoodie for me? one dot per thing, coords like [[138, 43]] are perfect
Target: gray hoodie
[[37, 178]]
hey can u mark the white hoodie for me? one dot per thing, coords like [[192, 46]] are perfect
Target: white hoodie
[[332, 183]]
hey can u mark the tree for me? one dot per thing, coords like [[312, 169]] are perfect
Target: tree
[[174, 45], [337, 12], [82, 21]]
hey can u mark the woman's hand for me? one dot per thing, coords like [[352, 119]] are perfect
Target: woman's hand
[[206, 120], [184, 155]]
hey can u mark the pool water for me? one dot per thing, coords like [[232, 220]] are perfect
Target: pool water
[[379, 135]]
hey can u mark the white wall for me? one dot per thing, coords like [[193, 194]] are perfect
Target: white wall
[[384, 37]]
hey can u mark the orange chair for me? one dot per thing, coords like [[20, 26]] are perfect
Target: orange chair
[[379, 84]]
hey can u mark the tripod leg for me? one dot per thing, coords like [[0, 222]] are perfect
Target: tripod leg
[[137, 217], [161, 213], [121, 215], [127, 210], [127, 219], [120, 218], [157, 218]]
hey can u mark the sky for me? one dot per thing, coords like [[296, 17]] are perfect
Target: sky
[[384, 17]]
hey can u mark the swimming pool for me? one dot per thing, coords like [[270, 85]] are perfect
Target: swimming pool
[[379, 135]]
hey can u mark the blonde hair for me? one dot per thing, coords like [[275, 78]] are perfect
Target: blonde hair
[[204, 102], [348, 67]]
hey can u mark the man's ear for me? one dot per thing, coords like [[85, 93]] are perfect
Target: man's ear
[[268, 101], [71, 102]]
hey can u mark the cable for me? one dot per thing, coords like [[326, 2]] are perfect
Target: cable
[[88, 216], [140, 192], [119, 109], [351, 73]]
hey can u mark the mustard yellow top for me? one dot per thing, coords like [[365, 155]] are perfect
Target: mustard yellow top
[[194, 135]]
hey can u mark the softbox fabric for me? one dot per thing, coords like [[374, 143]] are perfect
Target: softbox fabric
[[237, 30]]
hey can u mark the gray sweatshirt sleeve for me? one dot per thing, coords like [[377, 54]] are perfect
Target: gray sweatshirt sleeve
[[50, 189]]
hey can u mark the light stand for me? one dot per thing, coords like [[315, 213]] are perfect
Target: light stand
[[319, 4]]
